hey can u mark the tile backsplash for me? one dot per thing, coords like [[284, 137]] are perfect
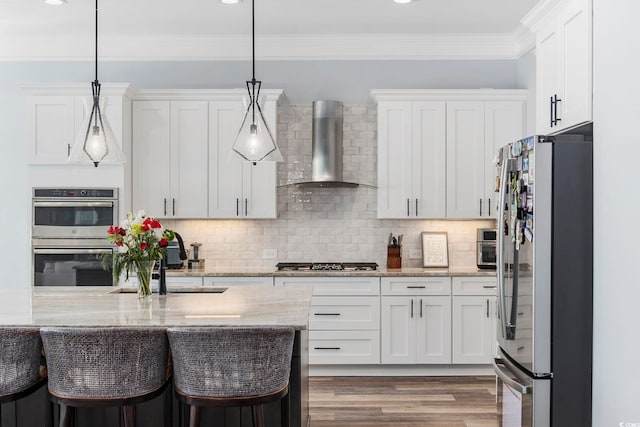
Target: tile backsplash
[[324, 224]]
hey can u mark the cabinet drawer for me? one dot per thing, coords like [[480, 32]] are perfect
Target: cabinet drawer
[[335, 285], [474, 285], [344, 313], [416, 285], [175, 281], [238, 281], [344, 347]]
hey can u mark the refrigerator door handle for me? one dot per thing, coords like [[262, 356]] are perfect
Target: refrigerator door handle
[[503, 373], [500, 240]]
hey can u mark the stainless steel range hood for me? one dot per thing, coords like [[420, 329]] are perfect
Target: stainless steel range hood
[[326, 159]]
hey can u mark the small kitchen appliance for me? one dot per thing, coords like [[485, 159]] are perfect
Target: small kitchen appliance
[[486, 248], [195, 262]]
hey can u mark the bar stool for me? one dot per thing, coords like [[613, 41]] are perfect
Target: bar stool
[[20, 353], [106, 367], [232, 366]]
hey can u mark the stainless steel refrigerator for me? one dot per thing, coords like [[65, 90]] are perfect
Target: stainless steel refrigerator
[[545, 282]]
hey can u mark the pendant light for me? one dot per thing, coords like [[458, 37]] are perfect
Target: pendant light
[[96, 143], [254, 141]]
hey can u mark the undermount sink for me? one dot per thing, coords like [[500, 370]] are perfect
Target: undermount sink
[[185, 290]]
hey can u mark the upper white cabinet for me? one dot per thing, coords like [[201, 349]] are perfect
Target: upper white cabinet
[[436, 148], [182, 141], [411, 159], [563, 30], [55, 113], [170, 158], [238, 189]]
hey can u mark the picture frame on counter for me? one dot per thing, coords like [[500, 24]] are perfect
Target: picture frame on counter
[[435, 249]]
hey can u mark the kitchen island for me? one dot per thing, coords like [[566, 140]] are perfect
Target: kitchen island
[[241, 306]]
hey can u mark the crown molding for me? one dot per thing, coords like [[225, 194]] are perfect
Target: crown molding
[[535, 17], [524, 40], [268, 47], [448, 94]]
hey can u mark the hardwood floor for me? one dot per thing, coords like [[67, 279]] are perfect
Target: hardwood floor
[[402, 401]]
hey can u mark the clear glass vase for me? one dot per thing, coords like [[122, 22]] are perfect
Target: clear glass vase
[[144, 269]]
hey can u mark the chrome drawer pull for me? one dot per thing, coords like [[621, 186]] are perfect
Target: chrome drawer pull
[[416, 287], [326, 314], [326, 348]]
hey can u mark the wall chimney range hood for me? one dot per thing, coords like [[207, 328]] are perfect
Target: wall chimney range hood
[[326, 158]]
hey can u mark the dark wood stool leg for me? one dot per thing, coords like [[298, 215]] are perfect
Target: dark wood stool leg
[[66, 415], [258, 416], [285, 403], [194, 416], [129, 413], [48, 415]]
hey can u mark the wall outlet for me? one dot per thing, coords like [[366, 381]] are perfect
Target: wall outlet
[[415, 253], [270, 254]]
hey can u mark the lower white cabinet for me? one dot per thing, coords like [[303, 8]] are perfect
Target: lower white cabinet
[[344, 319], [473, 320], [228, 281], [416, 329], [172, 281]]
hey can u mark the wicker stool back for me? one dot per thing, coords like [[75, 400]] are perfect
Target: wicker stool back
[[20, 354], [231, 366], [105, 366]]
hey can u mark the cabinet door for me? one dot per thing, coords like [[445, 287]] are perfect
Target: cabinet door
[[465, 159], [188, 159], [428, 160], [51, 128], [575, 65], [547, 76], [394, 159], [433, 330], [472, 334], [225, 177], [398, 330], [151, 157], [504, 123]]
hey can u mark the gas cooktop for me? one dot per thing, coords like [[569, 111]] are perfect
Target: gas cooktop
[[326, 266]]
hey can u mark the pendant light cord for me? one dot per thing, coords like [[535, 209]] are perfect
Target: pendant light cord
[[253, 38], [96, 40]]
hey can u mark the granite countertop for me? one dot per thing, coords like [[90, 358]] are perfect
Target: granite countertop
[[99, 306], [380, 272]]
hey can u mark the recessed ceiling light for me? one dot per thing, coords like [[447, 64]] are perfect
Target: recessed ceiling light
[[55, 2], [230, 1], [402, 1]]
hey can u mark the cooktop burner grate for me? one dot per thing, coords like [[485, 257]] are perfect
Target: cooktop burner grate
[[326, 266]]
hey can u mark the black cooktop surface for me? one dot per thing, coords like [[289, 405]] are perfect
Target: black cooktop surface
[[326, 266]]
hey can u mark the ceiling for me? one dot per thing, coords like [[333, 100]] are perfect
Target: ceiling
[[32, 22]]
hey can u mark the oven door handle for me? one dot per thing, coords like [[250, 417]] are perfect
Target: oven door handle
[[83, 204], [503, 374], [71, 251]]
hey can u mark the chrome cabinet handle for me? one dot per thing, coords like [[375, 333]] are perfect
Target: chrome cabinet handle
[[237, 207], [165, 206], [246, 207], [556, 119], [174, 207], [551, 103], [416, 207], [487, 308], [412, 308], [489, 213], [481, 207], [68, 150], [420, 307], [408, 207]]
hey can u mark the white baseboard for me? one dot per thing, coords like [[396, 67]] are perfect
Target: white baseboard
[[399, 370]]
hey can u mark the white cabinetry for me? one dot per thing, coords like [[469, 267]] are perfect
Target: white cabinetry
[[238, 189], [474, 320], [475, 131], [435, 150], [563, 31], [55, 113], [182, 141], [230, 281], [344, 319], [416, 327], [172, 281], [170, 158], [411, 154]]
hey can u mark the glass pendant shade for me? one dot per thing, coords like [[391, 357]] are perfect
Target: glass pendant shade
[[254, 141], [96, 143]]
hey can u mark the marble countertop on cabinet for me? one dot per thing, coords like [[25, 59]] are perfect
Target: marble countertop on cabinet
[[96, 306], [381, 272]]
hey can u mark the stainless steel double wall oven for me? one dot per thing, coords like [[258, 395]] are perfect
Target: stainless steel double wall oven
[[68, 233]]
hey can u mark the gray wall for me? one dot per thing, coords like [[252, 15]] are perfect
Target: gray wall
[[616, 207], [303, 82]]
